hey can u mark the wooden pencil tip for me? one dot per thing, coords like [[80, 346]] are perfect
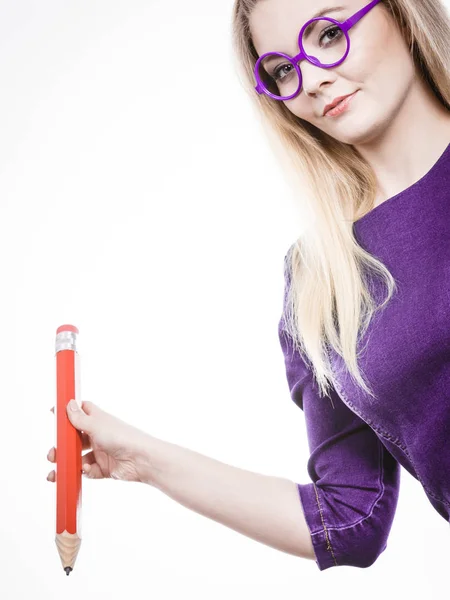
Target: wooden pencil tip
[[67, 570]]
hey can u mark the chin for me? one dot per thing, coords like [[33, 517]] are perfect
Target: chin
[[357, 132]]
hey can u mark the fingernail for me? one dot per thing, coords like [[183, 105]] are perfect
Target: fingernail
[[73, 405]]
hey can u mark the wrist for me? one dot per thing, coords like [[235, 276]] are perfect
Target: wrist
[[149, 462]]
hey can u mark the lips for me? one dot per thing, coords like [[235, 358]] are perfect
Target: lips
[[335, 102]]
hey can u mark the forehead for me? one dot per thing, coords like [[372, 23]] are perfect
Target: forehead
[[275, 24]]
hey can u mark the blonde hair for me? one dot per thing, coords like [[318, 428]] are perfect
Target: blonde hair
[[328, 301]]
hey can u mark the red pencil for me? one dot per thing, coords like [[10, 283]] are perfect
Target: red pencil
[[68, 449]]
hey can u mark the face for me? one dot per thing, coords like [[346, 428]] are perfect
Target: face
[[378, 66]]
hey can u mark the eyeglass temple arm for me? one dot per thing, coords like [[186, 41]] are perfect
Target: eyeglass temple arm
[[348, 24]]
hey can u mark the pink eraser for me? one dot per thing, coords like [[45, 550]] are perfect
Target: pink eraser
[[67, 328]]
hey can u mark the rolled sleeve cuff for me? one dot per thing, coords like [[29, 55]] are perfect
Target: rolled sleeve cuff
[[356, 544], [320, 536]]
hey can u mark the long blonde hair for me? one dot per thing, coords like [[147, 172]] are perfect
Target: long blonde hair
[[328, 301]]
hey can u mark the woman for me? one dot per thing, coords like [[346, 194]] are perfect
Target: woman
[[375, 179]]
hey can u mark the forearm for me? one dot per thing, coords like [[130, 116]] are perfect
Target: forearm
[[262, 507]]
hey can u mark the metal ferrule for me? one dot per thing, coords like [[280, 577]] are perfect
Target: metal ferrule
[[66, 340]]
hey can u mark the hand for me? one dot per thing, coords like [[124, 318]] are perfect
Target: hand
[[117, 450]]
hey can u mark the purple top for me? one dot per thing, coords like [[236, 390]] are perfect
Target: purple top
[[357, 447]]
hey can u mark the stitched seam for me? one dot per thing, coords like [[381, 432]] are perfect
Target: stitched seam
[[392, 439], [324, 527]]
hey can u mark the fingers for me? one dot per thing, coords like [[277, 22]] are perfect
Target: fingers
[[88, 466], [52, 475], [86, 445], [51, 456], [87, 460], [92, 470], [85, 439], [88, 407]]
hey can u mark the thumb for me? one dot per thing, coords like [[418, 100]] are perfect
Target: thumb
[[77, 416]]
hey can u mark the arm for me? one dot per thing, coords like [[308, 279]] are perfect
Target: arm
[[262, 507], [350, 502]]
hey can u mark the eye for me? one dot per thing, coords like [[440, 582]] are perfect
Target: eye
[[334, 30], [278, 73]]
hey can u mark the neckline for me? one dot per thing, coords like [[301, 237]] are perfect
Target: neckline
[[420, 181]]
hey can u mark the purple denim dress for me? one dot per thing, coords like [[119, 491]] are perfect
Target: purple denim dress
[[358, 444]]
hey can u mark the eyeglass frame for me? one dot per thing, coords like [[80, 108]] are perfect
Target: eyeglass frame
[[345, 26]]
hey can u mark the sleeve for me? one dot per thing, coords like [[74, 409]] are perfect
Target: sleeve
[[350, 503]]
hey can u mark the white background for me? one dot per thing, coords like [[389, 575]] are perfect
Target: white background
[[140, 202]]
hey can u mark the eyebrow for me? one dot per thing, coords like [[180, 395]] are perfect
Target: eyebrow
[[324, 11], [321, 13]]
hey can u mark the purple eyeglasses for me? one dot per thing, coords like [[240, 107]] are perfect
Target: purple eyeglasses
[[316, 46]]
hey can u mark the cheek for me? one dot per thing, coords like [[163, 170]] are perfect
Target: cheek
[[388, 76], [301, 107], [379, 58]]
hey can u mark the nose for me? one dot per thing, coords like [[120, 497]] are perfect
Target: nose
[[314, 77]]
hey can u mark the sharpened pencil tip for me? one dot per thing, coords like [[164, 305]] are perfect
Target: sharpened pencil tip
[[67, 570]]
